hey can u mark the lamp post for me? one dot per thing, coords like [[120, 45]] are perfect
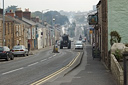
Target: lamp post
[[54, 29], [42, 26], [3, 26]]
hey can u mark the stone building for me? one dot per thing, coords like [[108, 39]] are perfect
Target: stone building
[[112, 16]]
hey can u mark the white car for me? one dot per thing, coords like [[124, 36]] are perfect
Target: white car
[[79, 45], [19, 50]]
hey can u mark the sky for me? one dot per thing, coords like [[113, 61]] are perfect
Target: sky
[[39, 5]]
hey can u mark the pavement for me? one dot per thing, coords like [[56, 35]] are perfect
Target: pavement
[[32, 52], [89, 72]]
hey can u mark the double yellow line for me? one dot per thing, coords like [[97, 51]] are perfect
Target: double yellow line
[[56, 73]]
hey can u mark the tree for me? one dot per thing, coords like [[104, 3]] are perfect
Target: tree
[[115, 37], [48, 16], [37, 13]]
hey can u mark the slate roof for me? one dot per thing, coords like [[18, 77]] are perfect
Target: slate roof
[[30, 22]]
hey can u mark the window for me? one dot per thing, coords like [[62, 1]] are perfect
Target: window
[[5, 28], [17, 31], [1, 48], [22, 30]]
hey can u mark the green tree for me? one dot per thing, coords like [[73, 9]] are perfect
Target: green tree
[[115, 37], [48, 16]]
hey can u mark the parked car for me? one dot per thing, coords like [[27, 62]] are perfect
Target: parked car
[[78, 45], [20, 50], [5, 53]]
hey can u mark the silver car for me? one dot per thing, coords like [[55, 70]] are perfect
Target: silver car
[[20, 50], [78, 45]]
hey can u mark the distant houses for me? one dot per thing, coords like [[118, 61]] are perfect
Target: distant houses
[[21, 28]]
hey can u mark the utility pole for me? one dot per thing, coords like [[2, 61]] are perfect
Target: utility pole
[[42, 27], [3, 26]]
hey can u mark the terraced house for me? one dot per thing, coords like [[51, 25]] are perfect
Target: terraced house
[[9, 31], [15, 30], [112, 16]]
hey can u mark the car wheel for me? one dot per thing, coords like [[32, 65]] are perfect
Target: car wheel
[[24, 54], [27, 54], [12, 57], [7, 58]]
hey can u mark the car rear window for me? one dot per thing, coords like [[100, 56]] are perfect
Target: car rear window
[[1, 49], [17, 47], [78, 43]]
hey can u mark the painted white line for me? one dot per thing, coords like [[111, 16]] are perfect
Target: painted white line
[[33, 64], [50, 57], [12, 71], [54, 55], [43, 60]]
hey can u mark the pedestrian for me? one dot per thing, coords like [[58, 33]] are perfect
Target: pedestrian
[[93, 45], [28, 47]]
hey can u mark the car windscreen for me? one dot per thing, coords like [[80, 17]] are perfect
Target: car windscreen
[[17, 47], [1, 49]]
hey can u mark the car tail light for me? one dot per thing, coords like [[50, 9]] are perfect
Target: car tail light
[[4, 52], [12, 50], [21, 50]]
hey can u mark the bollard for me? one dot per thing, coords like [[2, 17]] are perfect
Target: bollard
[[55, 49]]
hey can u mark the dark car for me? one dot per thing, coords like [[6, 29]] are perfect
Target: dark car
[[5, 53]]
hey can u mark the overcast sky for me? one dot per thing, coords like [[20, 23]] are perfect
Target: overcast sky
[[66, 5]]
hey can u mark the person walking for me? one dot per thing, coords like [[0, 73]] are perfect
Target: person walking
[[28, 47]]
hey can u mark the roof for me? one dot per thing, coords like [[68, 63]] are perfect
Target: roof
[[6, 18], [39, 25], [30, 22]]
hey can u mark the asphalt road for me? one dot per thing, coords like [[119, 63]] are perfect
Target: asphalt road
[[26, 70]]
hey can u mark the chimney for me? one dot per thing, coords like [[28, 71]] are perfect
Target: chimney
[[19, 13], [37, 19], [10, 13], [33, 19], [1, 11], [27, 14]]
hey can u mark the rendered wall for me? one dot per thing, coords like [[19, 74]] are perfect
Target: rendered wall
[[118, 19]]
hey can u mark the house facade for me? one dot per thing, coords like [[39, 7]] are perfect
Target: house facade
[[117, 19], [102, 32], [112, 16], [9, 32]]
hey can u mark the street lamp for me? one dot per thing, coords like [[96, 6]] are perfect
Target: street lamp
[[42, 25], [3, 26]]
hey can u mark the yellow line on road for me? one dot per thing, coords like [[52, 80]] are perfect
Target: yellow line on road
[[56, 73]]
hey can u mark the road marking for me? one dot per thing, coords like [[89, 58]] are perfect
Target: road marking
[[56, 73], [50, 57], [12, 71], [33, 64], [43, 60], [54, 55]]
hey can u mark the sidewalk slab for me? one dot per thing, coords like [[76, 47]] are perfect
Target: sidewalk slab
[[32, 52]]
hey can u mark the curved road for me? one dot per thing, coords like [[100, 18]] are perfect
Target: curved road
[[26, 70]]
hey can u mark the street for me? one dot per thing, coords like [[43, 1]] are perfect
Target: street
[[26, 70]]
